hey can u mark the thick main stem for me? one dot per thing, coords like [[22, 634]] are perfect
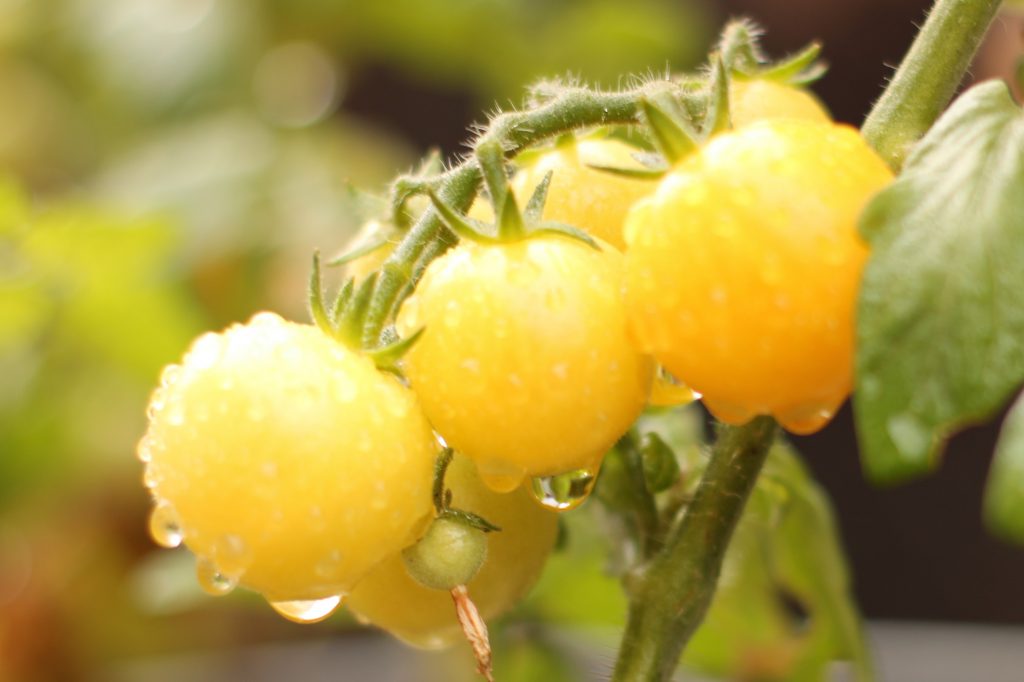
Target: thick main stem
[[670, 594], [928, 77]]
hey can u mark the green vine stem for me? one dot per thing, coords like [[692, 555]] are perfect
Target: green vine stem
[[928, 76], [571, 109], [670, 594]]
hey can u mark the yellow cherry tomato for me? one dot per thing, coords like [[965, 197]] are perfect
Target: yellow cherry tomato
[[390, 599], [743, 269], [525, 364], [286, 462], [593, 200], [759, 99]]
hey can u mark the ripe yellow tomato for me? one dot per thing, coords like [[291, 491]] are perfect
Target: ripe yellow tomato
[[743, 269], [593, 200], [390, 599], [759, 99], [286, 462], [525, 364]]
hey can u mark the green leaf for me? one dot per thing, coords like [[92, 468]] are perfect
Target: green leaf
[[1004, 496], [940, 320]]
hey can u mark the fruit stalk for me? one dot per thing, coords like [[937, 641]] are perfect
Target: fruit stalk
[[571, 109], [670, 594], [927, 77]]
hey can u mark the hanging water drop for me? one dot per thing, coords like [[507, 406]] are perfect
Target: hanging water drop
[[307, 610], [144, 451], [150, 477], [212, 580], [566, 491], [164, 526]]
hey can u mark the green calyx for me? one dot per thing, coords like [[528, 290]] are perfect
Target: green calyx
[[511, 224], [346, 318], [740, 51], [681, 117]]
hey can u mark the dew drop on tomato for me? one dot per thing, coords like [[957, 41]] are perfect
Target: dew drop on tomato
[[307, 610], [164, 526], [564, 492], [212, 580]]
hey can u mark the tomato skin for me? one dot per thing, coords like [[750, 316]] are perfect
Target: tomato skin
[[759, 99], [593, 200], [261, 443], [743, 269], [525, 364], [390, 599]]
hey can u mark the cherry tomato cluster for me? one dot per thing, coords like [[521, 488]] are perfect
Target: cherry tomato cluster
[[293, 461]]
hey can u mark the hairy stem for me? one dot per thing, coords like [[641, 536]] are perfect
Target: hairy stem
[[670, 594], [928, 76], [571, 109]]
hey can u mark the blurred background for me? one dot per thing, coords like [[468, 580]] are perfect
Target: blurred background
[[168, 166]]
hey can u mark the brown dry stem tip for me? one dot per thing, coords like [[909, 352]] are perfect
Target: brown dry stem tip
[[475, 629]]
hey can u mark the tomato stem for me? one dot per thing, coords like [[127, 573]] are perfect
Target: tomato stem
[[928, 76], [571, 109], [670, 593]]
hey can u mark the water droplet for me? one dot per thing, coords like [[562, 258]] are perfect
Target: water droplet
[[205, 351], [232, 555], [264, 319], [212, 580], [170, 375], [144, 451], [327, 567], [269, 469], [500, 478], [452, 314], [471, 365], [564, 491], [560, 370], [156, 404], [307, 610], [151, 477], [806, 420], [175, 415], [719, 295], [164, 525]]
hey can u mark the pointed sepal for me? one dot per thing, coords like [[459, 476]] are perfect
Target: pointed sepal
[[553, 228], [316, 298], [801, 68], [631, 173], [386, 358], [717, 119], [535, 206], [491, 157], [667, 131], [510, 220], [462, 226], [369, 247]]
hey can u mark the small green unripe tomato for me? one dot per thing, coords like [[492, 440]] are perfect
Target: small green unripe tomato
[[448, 555]]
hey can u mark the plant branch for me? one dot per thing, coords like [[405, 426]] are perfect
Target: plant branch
[[928, 77], [670, 594], [571, 109]]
